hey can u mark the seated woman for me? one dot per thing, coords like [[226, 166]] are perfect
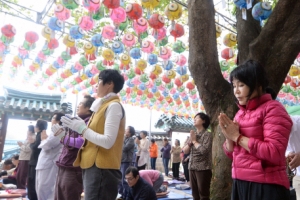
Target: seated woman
[[11, 179], [6, 167]]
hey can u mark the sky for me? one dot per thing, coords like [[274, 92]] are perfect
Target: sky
[[138, 117]]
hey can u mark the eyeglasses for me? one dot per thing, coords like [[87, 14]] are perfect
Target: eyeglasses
[[129, 179]]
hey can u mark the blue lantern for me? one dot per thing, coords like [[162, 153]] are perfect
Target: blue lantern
[[152, 59], [135, 53], [261, 11], [55, 24], [76, 32], [130, 83], [97, 40], [118, 47], [181, 70], [168, 65]]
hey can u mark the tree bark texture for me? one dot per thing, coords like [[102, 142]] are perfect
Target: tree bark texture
[[275, 46], [247, 31], [279, 42]]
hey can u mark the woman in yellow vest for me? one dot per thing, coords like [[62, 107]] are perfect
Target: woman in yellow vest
[[100, 155]]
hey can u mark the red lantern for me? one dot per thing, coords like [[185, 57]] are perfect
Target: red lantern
[[156, 21], [178, 102], [78, 79], [137, 71], [90, 57], [134, 11], [73, 50], [31, 37], [160, 98], [190, 85], [108, 63], [8, 31], [166, 79], [111, 4], [53, 44], [178, 82], [177, 31], [140, 92], [150, 95], [227, 53], [287, 79], [128, 90], [153, 76]]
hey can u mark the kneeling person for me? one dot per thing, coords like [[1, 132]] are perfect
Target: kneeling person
[[139, 188], [153, 177]]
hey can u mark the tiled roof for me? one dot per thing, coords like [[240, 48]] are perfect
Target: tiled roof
[[28, 105], [175, 123]]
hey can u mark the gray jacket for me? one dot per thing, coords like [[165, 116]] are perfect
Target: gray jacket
[[128, 149]]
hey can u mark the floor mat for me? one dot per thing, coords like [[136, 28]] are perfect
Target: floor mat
[[173, 195], [188, 191]]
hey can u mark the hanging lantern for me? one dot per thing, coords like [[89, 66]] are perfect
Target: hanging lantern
[[224, 65], [141, 64], [181, 70], [69, 41], [108, 55], [55, 24], [91, 5], [173, 11], [147, 46], [218, 31], [227, 53], [160, 34], [165, 53], [135, 53], [111, 4], [97, 40], [76, 32], [108, 32], [46, 33], [168, 65], [128, 40], [118, 15], [156, 69], [70, 4], [86, 23], [8, 31], [61, 12], [140, 25], [31, 37], [134, 11], [117, 47], [156, 21], [53, 43], [152, 59], [229, 40], [261, 10], [180, 60], [179, 46], [177, 31]]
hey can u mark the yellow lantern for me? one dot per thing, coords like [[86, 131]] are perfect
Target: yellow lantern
[[184, 78], [156, 70], [171, 74], [89, 48], [18, 60], [229, 40], [125, 59], [150, 4], [108, 54], [69, 41], [294, 70], [173, 11], [141, 64], [157, 94], [84, 77], [46, 33], [218, 30]]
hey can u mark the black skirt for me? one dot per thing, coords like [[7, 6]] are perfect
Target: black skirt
[[246, 190]]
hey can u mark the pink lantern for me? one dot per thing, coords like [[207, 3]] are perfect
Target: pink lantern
[[147, 46], [2, 47], [53, 43], [140, 25], [156, 21], [180, 60], [22, 52], [108, 32], [91, 5], [118, 15], [31, 37], [42, 56], [165, 53], [61, 12], [73, 50], [8, 31], [86, 23], [60, 61], [227, 53], [128, 40], [160, 34]]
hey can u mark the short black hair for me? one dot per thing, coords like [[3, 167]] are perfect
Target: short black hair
[[58, 117], [16, 157], [252, 74], [177, 141], [8, 162], [41, 124], [145, 133], [89, 100], [166, 140], [205, 118], [31, 128], [131, 131], [133, 170], [112, 75], [152, 140]]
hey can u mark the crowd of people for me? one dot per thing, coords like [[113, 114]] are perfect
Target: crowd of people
[[95, 153]]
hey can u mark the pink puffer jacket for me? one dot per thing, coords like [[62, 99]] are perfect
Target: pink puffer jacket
[[267, 125]]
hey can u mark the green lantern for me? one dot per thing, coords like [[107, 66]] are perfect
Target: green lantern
[[144, 35], [224, 65], [60, 80], [130, 73], [123, 25], [99, 14], [164, 41], [83, 61], [179, 46], [70, 4], [65, 56]]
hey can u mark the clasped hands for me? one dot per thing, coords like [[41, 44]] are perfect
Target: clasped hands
[[76, 124], [230, 129]]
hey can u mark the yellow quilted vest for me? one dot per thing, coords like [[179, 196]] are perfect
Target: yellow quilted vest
[[90, 153]]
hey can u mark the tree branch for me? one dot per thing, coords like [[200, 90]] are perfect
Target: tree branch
[[279, 41]]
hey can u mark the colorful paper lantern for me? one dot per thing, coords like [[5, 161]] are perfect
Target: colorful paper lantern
[[156, 21], [261, 10], [173, 11], [152, 59], [76, 32], [8, 31], [118, 15], [180, 60], [61, 12], [86, 23], [53, 43], [135, 53], [178, 46], [148, 46], [55, 24], [111, 4], [229, 40], [227, 53], [70, 4], [156, 69], [128, 40], [31, 37], [68, 41], [108, 32], [97, 40], [165, 53], [177, 31], [117, 47], [218, 31], [134, 11], [91, 5], [140, 25]]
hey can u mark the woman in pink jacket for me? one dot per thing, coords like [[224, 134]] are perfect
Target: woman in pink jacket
[[257, 137]]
